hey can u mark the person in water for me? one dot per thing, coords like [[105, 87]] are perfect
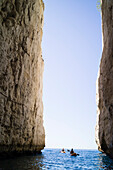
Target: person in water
[[72, 151], [63, 151]]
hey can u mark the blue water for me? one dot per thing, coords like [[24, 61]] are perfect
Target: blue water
[[53, 159]]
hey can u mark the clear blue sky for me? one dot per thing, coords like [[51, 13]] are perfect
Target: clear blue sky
[[71, 48]]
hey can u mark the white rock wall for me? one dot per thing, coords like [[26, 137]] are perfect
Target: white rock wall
[[21, 76], [104, 127]]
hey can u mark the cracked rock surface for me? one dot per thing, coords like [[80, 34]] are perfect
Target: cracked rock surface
[[21, 74], [104, 127]]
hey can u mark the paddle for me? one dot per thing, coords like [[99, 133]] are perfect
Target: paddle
[[68, 150]]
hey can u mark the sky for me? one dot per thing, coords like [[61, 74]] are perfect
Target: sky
[[71, 48]]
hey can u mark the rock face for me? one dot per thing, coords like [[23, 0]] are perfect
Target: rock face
[[104, 127], [21, 70]]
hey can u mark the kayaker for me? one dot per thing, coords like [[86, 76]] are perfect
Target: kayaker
[[63, 151], [71, 152]]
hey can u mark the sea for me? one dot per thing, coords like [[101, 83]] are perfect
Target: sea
[[54, 160]]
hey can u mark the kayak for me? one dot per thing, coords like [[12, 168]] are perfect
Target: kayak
[[73, 154], [63, 152]]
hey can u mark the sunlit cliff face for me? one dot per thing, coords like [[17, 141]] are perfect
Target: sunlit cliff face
[[104, 125], [21, 73]]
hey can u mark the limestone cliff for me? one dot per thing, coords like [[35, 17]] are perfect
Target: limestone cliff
[[21, 70], [104, 127]]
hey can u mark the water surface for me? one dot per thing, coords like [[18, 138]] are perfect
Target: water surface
[[53, 159]]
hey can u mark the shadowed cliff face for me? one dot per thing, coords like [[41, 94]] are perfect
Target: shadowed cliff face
[[104, 127], [21, 69]]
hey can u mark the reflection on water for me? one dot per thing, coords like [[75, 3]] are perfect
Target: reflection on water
[[23, 163], [105, 162], [53, 159]]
